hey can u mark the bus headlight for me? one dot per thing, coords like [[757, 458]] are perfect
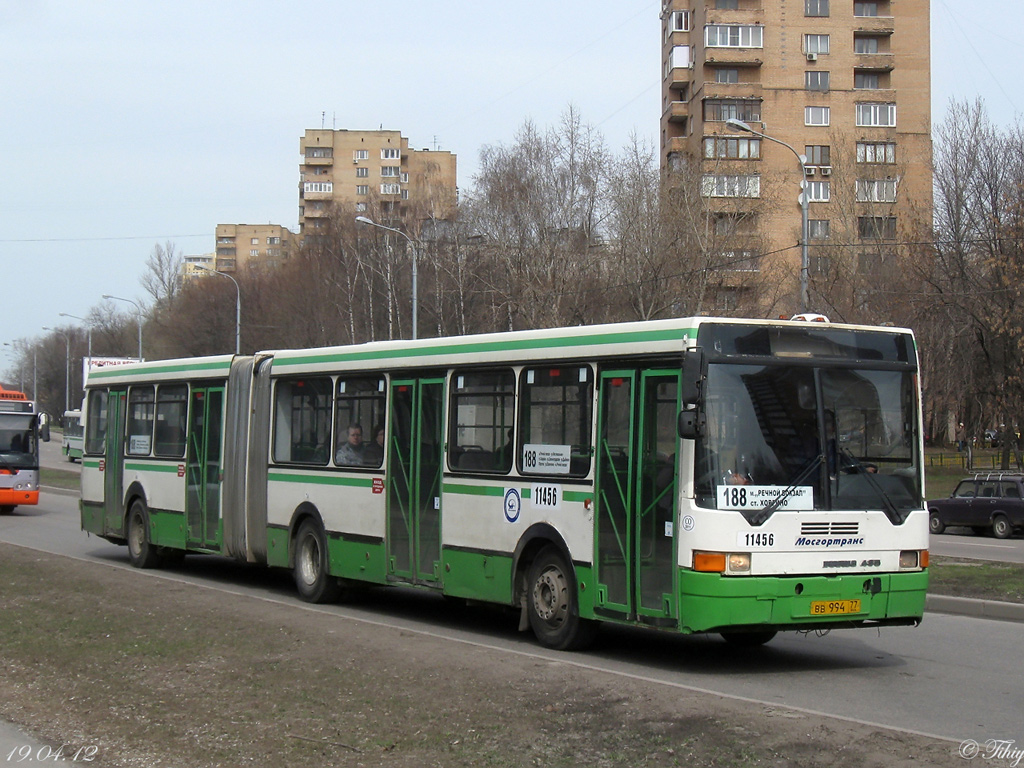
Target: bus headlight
[[911, 559], [739, 562]]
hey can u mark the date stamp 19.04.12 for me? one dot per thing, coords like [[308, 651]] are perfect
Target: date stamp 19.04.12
[[54, 755]]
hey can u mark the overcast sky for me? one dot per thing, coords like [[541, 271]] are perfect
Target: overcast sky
[[127, 124]]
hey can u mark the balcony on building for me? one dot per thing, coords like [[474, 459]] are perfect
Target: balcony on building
[[318, 156], [678, 111], [735, 57], [874, 25]]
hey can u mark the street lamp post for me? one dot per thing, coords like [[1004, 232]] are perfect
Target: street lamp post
[[88, 332], [738, 125], [415, 292], [67, 365], [139, 308], [238, 305]]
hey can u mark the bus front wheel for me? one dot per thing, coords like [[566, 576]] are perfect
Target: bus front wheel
[[141, 551], [312, 578], [552, 605]]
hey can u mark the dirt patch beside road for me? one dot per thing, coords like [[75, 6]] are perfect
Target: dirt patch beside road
[[158, 673]]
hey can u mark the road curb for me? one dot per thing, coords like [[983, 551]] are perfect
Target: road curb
[[966, 606]]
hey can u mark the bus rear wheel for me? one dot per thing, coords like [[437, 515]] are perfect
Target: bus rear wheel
[[6, 509], [312, 577], [141, 551], [552, 605]]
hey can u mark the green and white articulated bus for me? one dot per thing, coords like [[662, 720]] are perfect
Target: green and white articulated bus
[[696, 475]]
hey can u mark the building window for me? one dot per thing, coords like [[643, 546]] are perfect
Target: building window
[[318, 186], [877, 227], [816, 81], [876, 152], [404, 178], [273, 241], [405, 194], [730, 185], [866, 81], [876, 115], [680, 57], [876, 190], [865, 45], [869, 263], [390, 189], [817, 229], [819, 191], [816, 116], [742, 109], [319, 152], [815, 7], [362, 173], [390, 154], [727, 75], [254, 241], [733, 36], [360, 207], [727, 5], [362, 189], [820, 265], [390, 170], [816, 44], [254, 252], [865, 9], [817, 154], [679, 21], [361, 154], [732, 148]]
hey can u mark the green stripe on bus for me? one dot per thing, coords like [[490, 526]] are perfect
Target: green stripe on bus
[[154, 467], [474, 490], [492, 490], [358, 482], [149, 369], [671, 334]]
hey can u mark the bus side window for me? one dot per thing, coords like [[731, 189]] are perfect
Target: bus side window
[[96, 423]]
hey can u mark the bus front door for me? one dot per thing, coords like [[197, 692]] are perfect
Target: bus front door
[[415, 460], [637, 477], [113, 463], [202, 468]]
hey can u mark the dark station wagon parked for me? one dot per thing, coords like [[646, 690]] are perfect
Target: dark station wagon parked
[[992, 502]]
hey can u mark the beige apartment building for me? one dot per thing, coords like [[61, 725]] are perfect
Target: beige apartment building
[[373, 173], [845, 83], [242, 245]]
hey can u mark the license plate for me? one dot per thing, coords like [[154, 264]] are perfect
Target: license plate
[[834, 607]]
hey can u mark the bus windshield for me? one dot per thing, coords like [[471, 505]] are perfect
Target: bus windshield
[[18, 447], [808, 438]]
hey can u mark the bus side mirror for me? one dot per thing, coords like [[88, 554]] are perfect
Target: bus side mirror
[[44, 427], [693, 376], [690, 424]]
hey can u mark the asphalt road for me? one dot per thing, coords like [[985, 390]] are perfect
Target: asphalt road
[[953, 677]]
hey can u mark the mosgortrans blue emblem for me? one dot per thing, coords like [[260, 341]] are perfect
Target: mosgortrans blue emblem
[[513, 504]]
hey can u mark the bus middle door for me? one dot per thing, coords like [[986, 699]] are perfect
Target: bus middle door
[[415, 462], [202, 468], [637, 470], [113, 462]]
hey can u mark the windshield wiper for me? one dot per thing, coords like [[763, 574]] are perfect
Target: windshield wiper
[[769, 509], [890, 509]]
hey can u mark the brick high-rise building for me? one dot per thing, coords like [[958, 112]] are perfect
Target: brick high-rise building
[[372, 172], [846, 83]]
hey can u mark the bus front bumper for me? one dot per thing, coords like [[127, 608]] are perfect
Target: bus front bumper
[[710, 602]]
